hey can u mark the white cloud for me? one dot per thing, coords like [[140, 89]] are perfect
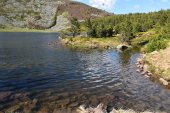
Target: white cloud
[[153, 1], [164, 0], [103, 4], [136, 6]]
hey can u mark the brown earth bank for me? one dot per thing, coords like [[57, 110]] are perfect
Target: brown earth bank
[[156, 65]]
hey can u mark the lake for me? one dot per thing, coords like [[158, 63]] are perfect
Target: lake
[[37, 73]]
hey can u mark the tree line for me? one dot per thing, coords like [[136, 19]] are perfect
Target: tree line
[[126, 25]]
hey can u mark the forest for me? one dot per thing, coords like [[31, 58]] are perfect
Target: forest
[[127, 26]]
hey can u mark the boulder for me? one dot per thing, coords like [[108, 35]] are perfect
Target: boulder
[[123, 47]]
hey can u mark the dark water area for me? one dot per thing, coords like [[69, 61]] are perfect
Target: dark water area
[[36, 76]]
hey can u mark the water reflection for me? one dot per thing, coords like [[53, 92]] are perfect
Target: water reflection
[[125, 57]]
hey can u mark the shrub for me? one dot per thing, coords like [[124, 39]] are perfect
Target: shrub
[[156, 44]]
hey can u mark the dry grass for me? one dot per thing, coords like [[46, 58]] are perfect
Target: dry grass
[[160, 62]]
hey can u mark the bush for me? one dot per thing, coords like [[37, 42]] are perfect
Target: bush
[[156, 44]]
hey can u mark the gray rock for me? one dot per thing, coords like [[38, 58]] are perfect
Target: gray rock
[[163, 81], [62, 23], [20, 14], [4, 20], [123, 47]]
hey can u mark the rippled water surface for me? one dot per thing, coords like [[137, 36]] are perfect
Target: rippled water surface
[[38, 76]]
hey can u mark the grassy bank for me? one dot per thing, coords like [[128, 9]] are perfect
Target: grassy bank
[[159, 62], [13, 29], [91, 43]]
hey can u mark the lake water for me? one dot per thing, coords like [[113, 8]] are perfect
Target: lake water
[[38, 76]]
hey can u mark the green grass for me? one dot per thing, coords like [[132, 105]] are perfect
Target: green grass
[[156, 44], [144, 36], [91, 43]]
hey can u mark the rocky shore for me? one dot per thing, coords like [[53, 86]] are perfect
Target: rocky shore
[[145, 69], [101, 109]]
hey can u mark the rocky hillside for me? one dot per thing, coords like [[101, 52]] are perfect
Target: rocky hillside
[[44, 14], [82, 11]]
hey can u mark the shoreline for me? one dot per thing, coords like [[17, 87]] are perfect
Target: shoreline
[[145, 69], [103, 109], [26, 30]]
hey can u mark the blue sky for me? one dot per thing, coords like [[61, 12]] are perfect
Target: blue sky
[[128, 6]]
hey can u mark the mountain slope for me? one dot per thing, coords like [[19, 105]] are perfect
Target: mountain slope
[[82, 11], [44, 14]]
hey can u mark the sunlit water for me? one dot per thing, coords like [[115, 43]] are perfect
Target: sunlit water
[[37, 76]]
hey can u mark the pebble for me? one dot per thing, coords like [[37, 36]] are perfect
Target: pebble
[[138, 70], [147, 76], [143, 73]]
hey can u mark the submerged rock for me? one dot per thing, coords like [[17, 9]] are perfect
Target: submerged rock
[[4, 95], [13, 109], [101, 109]]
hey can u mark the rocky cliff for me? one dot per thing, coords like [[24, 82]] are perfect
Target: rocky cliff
[[44, 14]]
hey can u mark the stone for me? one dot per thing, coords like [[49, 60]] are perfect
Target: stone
[[94, 101], [146, 76], [35, 101], [145, 67], [74, 104], [4, 95], [149, 73], [139, 60], [63, 103], [138, 66], [122, 47], [138, 70], [154, 52], [43, 110], [113, 111], [13, 109], [163, 81], [143, 73]]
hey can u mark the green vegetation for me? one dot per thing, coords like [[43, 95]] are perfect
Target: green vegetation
[[139, 29], [128, 25], [91, 43], [98, 30], [156, 44]]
